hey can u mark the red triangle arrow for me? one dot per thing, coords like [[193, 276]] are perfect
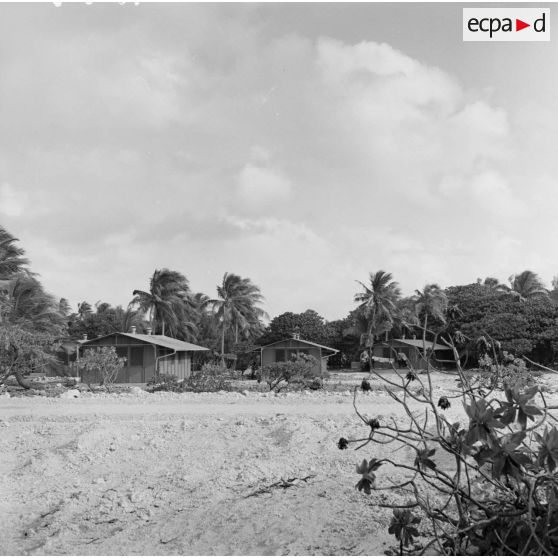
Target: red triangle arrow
[[519, 25]]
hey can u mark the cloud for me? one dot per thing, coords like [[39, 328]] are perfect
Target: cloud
[[260, 187], [493, 195], [12, 203], [204, 138]]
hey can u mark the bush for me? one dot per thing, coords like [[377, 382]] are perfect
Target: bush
[[210, 378], [201, 382], [298, 372], [164, 382], [500, 497], [510, 371], [210, 369], [104, 362]]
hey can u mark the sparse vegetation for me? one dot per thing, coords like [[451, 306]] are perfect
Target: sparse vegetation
[[296, 372], [487, 486], [104, 365], [211, 378]]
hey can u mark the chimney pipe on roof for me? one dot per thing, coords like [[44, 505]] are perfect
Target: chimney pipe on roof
[[133, 329], [296, 333], [149, 331], [84, 337]]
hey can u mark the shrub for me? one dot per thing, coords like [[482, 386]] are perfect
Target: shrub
[[210, 378], [210, 369], [201, 382], [509, 371], [23, 352], [365, 385], [298, 372], [104, 362], [164, 382], [501, 496]]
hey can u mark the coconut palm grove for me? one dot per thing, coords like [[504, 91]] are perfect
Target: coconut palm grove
[[521, 314]]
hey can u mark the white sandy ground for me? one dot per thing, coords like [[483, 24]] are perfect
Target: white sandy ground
[[168, 474]]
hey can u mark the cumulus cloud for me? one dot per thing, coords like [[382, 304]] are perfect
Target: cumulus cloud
[[493, 195], [12, 203], [191, 136], [260, 187]]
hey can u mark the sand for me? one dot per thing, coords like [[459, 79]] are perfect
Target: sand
[[165, 474]]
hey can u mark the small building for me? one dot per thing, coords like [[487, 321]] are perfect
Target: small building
[[396, 351], [145, 354], [282, 351]]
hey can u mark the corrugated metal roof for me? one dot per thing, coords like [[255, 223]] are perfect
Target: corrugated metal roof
[[301, 341], [159, 340], [419, 343]]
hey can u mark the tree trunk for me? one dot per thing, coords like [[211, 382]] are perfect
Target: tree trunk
[[370, 349], [163, 325], [152, 319], [223, 344], [424, 342], [21, 380]]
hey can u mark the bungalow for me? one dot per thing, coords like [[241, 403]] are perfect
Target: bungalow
[[145, 354], [282, 351], [391, 352]]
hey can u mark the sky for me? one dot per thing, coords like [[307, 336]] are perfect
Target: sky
[[300, 145]]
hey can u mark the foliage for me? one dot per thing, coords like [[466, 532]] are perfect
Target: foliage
[[169, 304], [211, 378], [27, 304], [298, 370], [499, 497], [105, 320], [508, 371], [527, 284], [344, 335], [31, 320], [212, 369], [432, 303], [103, 361], [365, 385], [310, 325], [12, 257], [528, 327], [237, 309], [378, 302], [23, 351], [403, 527]]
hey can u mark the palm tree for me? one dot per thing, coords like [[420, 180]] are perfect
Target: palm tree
[[237, 307], [12, 258], [64, 307], [527, 284], [430, 302], [207, 329], [126, 319], [405, 320], [84, 309], [32, 308], [553, 294], [168, 302], [494, 284], [378, 305]]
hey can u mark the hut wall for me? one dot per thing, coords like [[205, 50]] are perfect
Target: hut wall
[[284, 351], [179, 364]]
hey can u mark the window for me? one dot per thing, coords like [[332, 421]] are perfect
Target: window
[[303, 351], [279, 355], [122, 352], [136, 356]]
